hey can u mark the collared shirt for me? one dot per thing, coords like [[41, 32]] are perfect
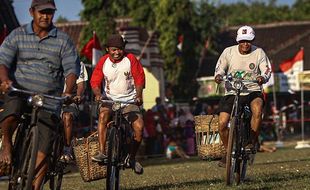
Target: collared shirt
[[36, 64]]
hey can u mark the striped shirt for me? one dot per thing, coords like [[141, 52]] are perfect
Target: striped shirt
[[36, 64]]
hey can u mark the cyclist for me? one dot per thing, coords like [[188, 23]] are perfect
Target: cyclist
[[71, 112], [123, 79], [249, 62], [36, 56]]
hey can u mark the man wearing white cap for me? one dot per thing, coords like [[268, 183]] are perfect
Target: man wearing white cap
[[249, 62]]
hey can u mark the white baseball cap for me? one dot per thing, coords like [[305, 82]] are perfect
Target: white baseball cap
[[245, 33]]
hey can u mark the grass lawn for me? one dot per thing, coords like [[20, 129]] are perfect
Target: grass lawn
[[287, 168]]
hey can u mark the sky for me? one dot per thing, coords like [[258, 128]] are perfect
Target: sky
[[70, 9]]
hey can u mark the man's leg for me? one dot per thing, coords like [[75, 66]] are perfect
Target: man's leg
[[137, 126], [41, 167], [223, 127], [67, 118], [102, 132], [68, 123], [256, 108], [8, 126]]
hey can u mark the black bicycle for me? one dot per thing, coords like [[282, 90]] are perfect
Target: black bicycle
[[119, 139], [25, 146], [238, 156]]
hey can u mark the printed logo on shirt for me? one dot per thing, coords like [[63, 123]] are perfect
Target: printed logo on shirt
[[252, 66], [242, 75], [127, 75]]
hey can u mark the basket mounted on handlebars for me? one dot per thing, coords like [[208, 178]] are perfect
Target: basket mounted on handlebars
[[84, 148], [209, 144]]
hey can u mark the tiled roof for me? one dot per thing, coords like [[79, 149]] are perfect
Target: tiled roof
[[280, 41], [74, 29]]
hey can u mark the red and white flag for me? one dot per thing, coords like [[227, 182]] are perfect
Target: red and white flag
[[291, 68], [92, 50], [3, 34]]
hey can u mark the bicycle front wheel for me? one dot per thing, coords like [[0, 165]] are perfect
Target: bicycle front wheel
[[112, 180], [231, 160], [25, 173]]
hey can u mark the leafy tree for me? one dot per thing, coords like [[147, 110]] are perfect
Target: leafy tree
[[101, 15], [61, 19]]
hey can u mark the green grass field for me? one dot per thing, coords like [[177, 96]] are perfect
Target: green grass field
[[287, 168]]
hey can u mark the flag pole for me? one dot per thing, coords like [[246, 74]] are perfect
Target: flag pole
[[302, 143]]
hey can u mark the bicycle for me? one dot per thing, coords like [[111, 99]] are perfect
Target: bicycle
[[119, 139], [238, 155], [25, 145]]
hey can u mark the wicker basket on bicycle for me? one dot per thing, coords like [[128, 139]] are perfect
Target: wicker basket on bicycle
[[209, 144], [84, 148]]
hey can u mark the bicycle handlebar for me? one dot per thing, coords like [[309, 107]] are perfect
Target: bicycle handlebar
[[14, 89]]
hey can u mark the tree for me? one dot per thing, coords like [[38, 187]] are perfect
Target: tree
[[61, 19]]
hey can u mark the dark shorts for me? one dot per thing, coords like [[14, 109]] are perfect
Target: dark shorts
[[226, 103], [72, 108], [47, 122]]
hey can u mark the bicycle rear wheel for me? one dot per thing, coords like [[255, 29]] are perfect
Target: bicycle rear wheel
[[112, 180], [231, 160]]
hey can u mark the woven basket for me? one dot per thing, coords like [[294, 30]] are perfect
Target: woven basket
[[84, 149], [209, 144]]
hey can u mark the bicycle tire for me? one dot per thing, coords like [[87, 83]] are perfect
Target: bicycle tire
[[230, 160], [57, 167], [28, 159], [17, 147], [112, 180]]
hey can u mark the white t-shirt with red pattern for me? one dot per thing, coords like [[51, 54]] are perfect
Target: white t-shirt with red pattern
[[118, 80]]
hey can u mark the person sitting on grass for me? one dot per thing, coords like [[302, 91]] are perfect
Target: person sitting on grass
[[174, 150]]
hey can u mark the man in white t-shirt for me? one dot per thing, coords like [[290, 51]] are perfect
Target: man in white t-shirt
[[249, 62], [119, 76], [70, 112]]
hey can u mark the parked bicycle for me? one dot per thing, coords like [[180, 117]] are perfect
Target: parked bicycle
[[25, 146], [238, 156], [119, 139]]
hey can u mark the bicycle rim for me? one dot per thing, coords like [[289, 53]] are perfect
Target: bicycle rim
[[230, 160], [112, 180], [28, 159]]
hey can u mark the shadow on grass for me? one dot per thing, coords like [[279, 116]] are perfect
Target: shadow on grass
[[283, 161], [275, 181], [165, 161], [186, 184]]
